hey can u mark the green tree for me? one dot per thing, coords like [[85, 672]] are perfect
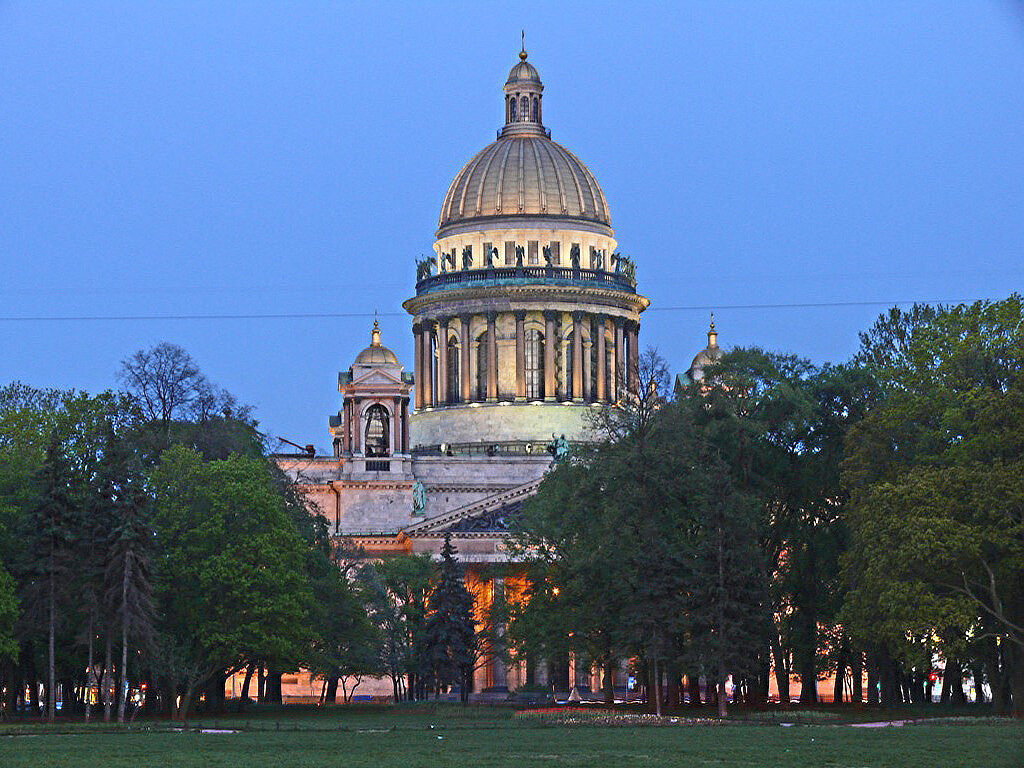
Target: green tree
[[450, 631], [231, 583], [50, 527], [935, 470]]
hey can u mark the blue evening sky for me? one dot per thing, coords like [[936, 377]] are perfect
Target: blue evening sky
[[265, 158]]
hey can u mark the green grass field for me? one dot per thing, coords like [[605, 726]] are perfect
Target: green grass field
[[486, 737]]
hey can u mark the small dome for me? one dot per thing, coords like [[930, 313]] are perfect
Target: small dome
[[523, 72], [710, 355], [376, 353]]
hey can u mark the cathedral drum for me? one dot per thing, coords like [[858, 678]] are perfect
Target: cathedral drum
[[526, 319]]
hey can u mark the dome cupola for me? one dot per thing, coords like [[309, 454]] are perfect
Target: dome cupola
[[376, 353], [524, 94]]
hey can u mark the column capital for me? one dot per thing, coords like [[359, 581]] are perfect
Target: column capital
[[520, 315], [551, 314], [578, 314], [417, 328], [492, 316]]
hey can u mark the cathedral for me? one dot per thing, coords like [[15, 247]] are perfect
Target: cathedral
[[526, 319]]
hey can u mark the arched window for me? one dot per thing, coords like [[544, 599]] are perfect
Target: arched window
[[454, 380], [377, 431], [512, 109], [535, 112], [481, 367], [524, 108], [534, 354]]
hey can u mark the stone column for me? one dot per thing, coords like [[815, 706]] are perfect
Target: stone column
[[396, 427], [405, 425], [549, 355], [464, 349], [577, 357], [588, 373], [357, 427], [620, 358], [492, 357], [346, 435], [633, 355], [602, 354], [442, 361], [427, 366], [498, 669], [417, 334], [520, 355]]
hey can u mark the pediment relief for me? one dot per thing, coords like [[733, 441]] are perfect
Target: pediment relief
[[375, 378]]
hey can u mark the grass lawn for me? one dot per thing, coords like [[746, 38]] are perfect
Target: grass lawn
[[480, 738]]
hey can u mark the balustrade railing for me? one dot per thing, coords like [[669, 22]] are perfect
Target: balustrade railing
[[498, 275]]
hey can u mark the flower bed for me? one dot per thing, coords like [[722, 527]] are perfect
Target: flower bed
[[605, 717]]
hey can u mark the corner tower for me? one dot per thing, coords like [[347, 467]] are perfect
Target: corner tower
[[526, 317]]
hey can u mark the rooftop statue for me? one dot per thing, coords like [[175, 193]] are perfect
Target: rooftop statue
[[467, 257], [547, 255], [574, 255], [520, 252], [424, 268], [491, 255]]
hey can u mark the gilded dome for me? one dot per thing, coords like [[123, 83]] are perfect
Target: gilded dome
[[710, 355], [524, 176], [524, 172], [376, 354]]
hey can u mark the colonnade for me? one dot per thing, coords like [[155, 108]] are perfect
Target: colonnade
[[449, 360]]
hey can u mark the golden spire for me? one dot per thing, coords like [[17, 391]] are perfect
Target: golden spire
[[522, 53], [375, 333], [712, 333]]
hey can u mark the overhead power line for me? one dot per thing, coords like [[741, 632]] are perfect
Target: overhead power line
[[343, 315]]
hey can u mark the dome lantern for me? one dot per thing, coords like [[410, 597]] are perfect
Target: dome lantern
[[523, 98]]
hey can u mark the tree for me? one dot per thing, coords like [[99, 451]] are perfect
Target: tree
[[128, 553], [50, 527], [171, 390], [934, 472], [450, 632], [397, 590], [231, 584]]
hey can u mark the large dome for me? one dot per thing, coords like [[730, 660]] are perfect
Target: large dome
[[524, 173], [524, 176]]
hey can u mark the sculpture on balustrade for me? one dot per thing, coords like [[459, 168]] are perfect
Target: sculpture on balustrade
[[624, 265], [597, 260], [520, 252], [490, 255], [574, 255], [424, 268], [547, 255], [467, 257]]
